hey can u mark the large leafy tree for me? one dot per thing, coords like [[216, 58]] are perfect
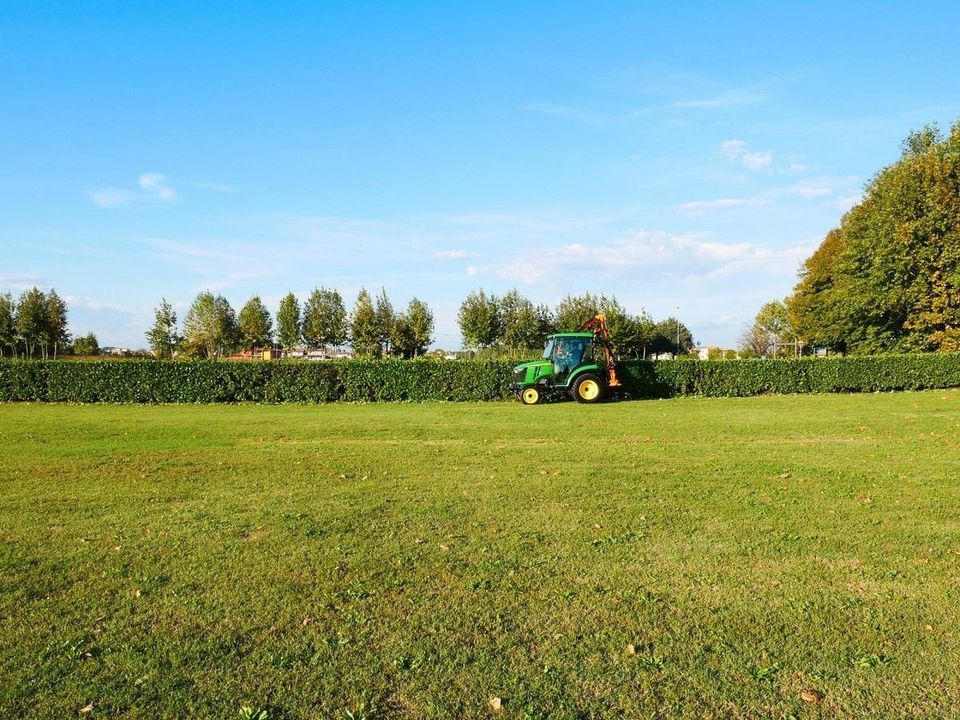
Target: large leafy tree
[[8, 325], [888, 279], [288, 322], [523, 325], [481, 323], [629, 334], [55, 334], [386, 317], [31, 319], [365, 327], [325, 319], [770, 331], [412, 330], [162, 335], [574, 310], [666, 334], [255, 324], [210, 327]]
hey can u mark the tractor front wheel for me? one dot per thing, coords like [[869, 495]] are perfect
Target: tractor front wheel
[[529, 396], [588, 389]]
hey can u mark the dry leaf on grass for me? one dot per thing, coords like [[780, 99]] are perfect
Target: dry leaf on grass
[[495, 704], [87, 709], [810, 695]]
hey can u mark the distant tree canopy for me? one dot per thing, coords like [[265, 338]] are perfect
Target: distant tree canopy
[[770, 334], [35, 324], [86, 345], [514, 323], [888, 279]]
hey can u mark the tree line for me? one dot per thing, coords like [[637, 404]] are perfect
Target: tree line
[[513, 323], [212, 329], [33, 324]]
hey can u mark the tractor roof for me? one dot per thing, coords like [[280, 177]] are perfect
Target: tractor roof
[[571, 335]]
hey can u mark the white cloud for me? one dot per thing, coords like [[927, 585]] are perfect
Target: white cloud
[[156, 184], [21, 281], [699, 207], [153, 188], [109, 197], [757, 160], [693, 258], [736, 151], [808, 191], [453, 255]]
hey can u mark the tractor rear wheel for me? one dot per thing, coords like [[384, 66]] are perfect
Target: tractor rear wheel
[[529, 396], [588, 389]]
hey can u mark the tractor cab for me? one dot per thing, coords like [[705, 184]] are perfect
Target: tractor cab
[[567, 351], [569, 366]]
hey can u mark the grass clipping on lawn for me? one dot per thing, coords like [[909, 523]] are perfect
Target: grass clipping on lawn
[[689, 558]]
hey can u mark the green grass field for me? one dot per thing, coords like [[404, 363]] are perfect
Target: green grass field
[[690, 558]]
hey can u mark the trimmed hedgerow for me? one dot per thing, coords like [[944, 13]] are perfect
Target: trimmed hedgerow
[[156, 381]]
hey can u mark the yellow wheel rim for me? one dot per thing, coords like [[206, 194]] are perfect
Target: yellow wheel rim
[[589, 389], [530, 396]]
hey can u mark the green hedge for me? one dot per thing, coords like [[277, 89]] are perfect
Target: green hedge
[[154, 381]]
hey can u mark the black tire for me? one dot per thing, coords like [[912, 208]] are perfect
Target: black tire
[[588, 388]]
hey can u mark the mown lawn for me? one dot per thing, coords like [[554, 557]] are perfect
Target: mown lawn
[[690, 558]]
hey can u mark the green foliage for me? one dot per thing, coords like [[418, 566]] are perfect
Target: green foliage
[[288, 321], [574, 310], [426, 379], [385, 320], [55, 334], [665, 337], [324, 319], [481, 323], [8, 326], [523, 327], [210, 328], [771, 328], [365, 327], [412, 330], [86, 345], [31, 318], [162, 336], [888, 279], [255, 325]]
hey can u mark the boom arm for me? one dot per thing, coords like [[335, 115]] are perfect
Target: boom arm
[[598, 324]]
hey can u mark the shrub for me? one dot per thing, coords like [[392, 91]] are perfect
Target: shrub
[[168, 381]]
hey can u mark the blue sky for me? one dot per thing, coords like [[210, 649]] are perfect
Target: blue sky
[[683, 155]]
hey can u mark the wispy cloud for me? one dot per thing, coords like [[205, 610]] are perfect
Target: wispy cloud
[[21, 281], [700, 207], [453, 255], [737, 151], [690, 257], [156, 184], [152, 188]]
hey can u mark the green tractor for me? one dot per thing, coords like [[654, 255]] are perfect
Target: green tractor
[[569, 366]]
